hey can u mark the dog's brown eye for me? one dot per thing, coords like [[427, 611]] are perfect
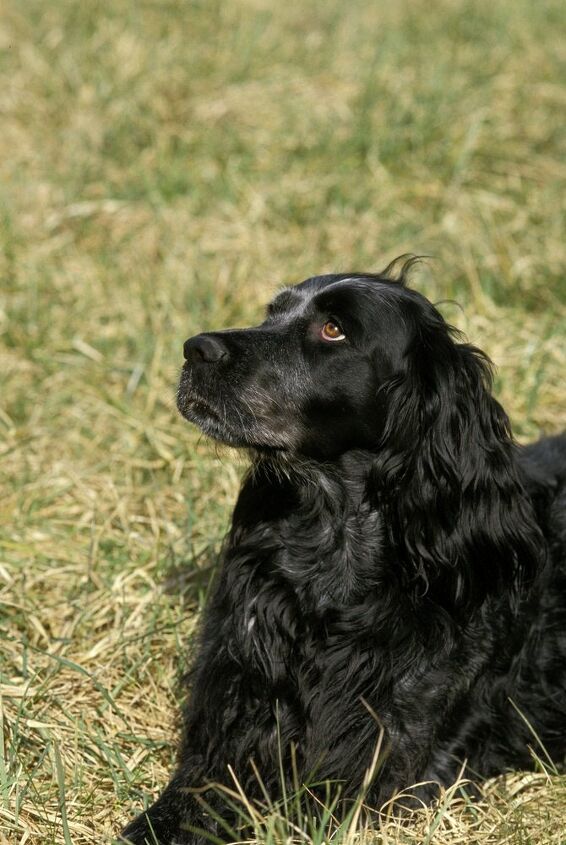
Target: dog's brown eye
[[332, 331]]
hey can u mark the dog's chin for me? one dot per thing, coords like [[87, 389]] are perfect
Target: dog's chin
[[219, 427], [209, 420]]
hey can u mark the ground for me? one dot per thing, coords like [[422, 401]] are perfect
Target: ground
[[165, 165]]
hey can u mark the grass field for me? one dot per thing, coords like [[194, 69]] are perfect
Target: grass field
[[164, 166]]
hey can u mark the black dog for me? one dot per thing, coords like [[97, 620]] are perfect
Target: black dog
[[395, 563]]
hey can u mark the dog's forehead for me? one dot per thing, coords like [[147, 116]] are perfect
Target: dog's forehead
[[317, 284], [293, 300], [288, 299]]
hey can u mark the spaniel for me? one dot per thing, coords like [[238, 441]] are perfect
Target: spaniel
[[395, 569]]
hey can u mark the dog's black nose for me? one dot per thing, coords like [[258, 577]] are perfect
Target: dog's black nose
[[204, 347]]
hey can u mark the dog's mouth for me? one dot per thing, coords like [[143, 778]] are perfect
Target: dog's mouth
[[214, 420], [230, 415], [201, 409], [228, 425], [198, 410]]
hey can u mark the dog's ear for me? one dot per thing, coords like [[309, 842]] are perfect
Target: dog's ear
[[459, 518]]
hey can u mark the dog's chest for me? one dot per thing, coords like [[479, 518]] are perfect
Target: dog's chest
[[330, 559], [302, 575]]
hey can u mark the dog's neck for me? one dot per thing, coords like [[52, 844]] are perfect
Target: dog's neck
[[349, 471], [332, 542]]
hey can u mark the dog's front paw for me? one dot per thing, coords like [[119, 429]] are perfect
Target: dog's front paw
[[158, 825], [175, 819], [142, 831]]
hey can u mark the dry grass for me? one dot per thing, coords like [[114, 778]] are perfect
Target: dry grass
[[163, 167]]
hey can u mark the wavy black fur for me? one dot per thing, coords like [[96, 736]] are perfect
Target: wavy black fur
[[395, 561]]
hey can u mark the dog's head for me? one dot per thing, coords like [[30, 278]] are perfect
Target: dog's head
[[314, 377], [362, 362]]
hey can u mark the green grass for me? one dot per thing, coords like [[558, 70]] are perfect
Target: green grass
[[164, 167]]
